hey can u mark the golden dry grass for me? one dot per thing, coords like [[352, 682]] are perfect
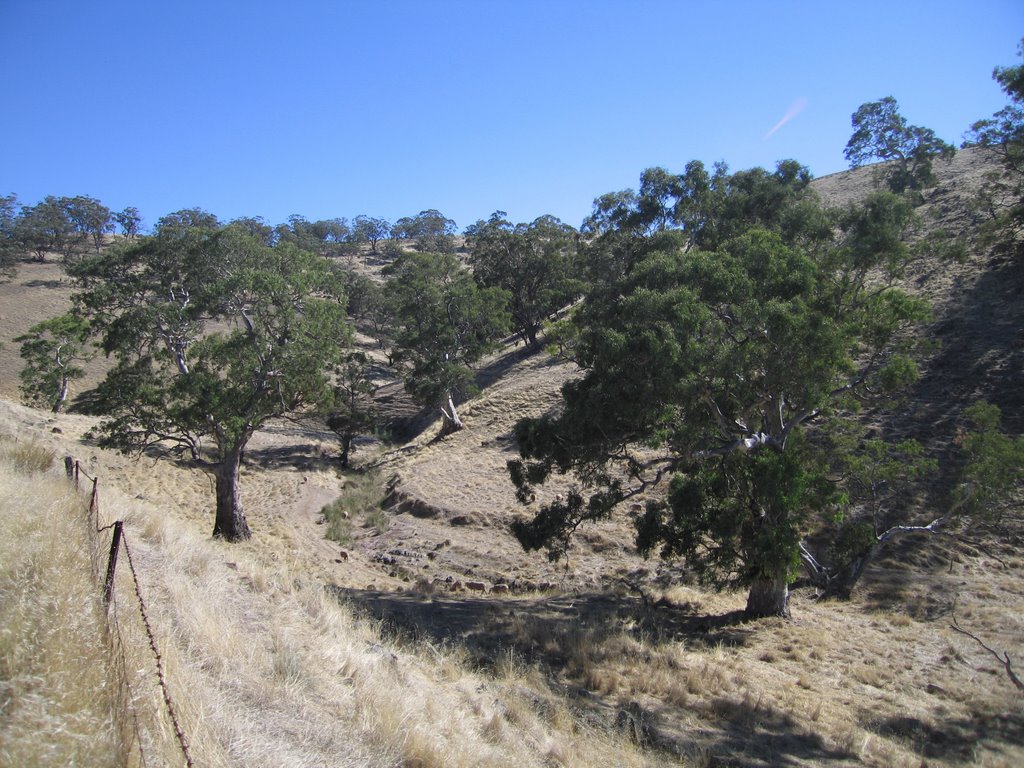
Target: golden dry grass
[[58, 695]]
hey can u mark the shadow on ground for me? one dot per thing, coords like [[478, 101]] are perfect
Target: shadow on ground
[[555, 631], [540, 629]]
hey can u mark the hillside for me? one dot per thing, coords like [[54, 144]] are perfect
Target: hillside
[[574, 663]]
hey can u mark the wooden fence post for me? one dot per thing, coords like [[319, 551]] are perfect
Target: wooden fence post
[[94, 499], [115, 545]]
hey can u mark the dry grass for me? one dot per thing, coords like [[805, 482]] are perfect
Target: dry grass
[[58, 697], [267, 668]]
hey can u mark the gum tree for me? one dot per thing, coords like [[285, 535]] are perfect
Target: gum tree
[[707, 369], [534, 262], [213, 333], [442, 322], [880, 132], [53, 351]]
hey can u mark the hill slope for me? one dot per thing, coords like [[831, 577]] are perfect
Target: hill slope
[[560, 665]]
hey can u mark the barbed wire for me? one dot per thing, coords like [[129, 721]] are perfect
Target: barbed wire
[[178, 731], [74, 471]]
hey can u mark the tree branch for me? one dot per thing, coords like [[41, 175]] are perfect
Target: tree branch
[[1004, 659]]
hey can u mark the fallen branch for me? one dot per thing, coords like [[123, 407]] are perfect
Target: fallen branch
[[1004, 659]]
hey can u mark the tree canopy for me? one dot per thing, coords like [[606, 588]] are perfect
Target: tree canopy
[[709, 358], [880, 132], [536, 263], [443, 322], [213, 332], [1002, 197]]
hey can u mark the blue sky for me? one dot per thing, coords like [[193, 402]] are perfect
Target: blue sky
[[390, 107]]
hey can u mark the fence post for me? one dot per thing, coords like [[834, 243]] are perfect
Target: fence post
[[115, 545], [94, 500]]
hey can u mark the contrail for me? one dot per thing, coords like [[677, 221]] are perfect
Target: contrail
[[794, 109]]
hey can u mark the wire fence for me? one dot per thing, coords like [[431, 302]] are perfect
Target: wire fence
[[119, 541]]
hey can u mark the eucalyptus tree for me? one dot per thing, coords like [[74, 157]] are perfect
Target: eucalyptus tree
[[1002, 135], [707, 364], [53, 351], [369, 229], [46, 228], [212, 332], [536, 263], [351, 411], [431, 230], [442, 323], [129, 220], [880, 132], [9, 248]]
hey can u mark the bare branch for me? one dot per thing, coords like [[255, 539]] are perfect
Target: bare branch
[[1004, 659]]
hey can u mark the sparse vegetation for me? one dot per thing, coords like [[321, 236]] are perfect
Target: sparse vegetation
[[359, 503]]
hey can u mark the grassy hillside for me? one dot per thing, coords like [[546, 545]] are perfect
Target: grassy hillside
[[428, 638]]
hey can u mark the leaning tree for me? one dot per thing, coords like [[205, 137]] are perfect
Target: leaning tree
[[709, 363], [213, 333], [880, 132]]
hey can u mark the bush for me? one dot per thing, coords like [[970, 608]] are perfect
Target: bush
[[30, 458], [360, 500]]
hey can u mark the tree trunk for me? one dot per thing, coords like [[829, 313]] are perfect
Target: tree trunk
[[769, 596], [230, 522], [346, 450], [62, 395], [451, 422]]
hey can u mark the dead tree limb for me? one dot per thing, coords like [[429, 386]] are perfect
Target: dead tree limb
[[1004, 659]]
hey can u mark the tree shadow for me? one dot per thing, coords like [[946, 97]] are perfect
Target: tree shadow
[[753, 733], [981, 356], [560, 633], [952, 739], [539, 629], [494, 370], [297, 457]]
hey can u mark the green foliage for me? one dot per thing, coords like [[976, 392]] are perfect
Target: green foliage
[[130, 221], [213, 332], [1002, 196], [993, 470], [536, 263], [9, 247], [367, 229], [66, 226], [442, 323], [351, 412], [882, 133], [52, 351], [707, 365], [738, 519], [360, 501], [430, 229]]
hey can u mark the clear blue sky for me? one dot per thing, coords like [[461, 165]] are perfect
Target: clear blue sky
[[390, 107]]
